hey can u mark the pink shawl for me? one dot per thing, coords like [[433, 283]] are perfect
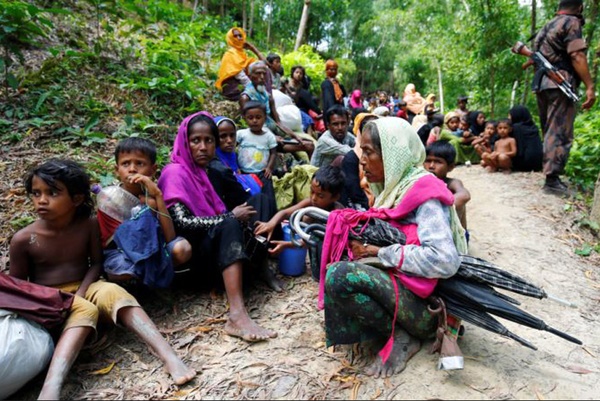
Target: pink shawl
[[183, 181]]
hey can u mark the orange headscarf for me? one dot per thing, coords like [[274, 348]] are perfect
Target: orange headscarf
[[235, 58], [337, 90]]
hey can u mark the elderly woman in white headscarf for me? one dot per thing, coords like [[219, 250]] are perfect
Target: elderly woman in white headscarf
[[384, 301]]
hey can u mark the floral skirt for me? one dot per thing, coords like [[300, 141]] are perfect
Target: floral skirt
[[360, 301]]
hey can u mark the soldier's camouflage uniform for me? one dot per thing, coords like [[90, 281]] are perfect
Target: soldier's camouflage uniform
[[556, 41]]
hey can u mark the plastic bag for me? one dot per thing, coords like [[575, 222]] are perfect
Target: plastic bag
[[25, 350], [290, 117]]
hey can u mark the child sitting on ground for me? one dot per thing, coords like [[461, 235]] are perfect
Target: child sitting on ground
[[121, 228], [440, 161], [482, 143], [505, 148], [257, 145], [62, 250], [325, 190], [464, 128]]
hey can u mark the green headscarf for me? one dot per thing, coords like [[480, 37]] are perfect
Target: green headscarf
[[403, 155]]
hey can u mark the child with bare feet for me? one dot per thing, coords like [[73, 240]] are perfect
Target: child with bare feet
[[60, 191], [439, 160], [325, 191], [505, 148], [219, 248], [137, 194]]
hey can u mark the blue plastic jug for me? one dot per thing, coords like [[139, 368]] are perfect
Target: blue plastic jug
[[292, 261]]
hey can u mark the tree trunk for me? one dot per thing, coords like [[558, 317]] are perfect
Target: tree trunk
[[513, 93], [251, 22], [440, 87], [244, 16], [194, 10], [533, 31], [595, 212], [269, 19], [222, 9], [204, 6], [593, 54], [302, 27], [493, 85]]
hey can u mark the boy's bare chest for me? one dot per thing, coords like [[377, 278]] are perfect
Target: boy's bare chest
[[49, 248]]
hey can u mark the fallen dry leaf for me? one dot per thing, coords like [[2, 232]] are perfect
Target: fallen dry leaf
[[103, 371], [354, 394], [201, 329], [580, 370]]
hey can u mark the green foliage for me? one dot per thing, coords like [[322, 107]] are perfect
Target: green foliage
[[21, 222], [312, 62], [21, 24], [583, 166]]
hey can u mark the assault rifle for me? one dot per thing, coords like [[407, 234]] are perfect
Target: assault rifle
[[544, 67]]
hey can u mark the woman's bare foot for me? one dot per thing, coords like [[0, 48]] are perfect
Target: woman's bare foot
[[247, 329], [490, 169], [179, 371], [405, 346]]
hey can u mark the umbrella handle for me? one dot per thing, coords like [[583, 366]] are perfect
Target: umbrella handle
[[561, 301]]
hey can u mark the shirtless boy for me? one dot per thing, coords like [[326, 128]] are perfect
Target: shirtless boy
[[440, 161], [62, 250], [505, 148]]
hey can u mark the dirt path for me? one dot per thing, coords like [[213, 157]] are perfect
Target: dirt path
[[512, 224]]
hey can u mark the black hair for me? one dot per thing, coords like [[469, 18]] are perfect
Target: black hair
[[336, 110], [201, 118], [437, 120], [136, 144], [465, 119], [505, 121], [442, 148], [401, 103], [272, 57], [253, 104], [357, 111], [330, 179], [373, 133], [71, 174], [305, 79], [493, 122], [569, 4]]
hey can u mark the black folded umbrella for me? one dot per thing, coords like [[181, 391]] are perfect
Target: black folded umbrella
[[482, 271], [483, 320], [480, 297]]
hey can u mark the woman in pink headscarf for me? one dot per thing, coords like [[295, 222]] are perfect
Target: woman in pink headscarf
[[201, 217], [355, 100]]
